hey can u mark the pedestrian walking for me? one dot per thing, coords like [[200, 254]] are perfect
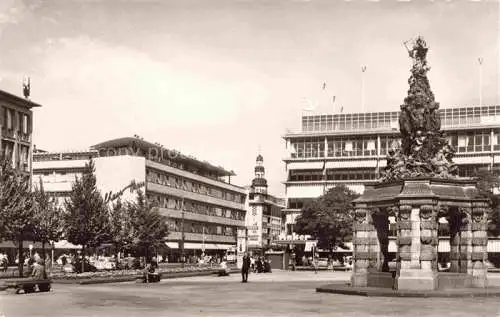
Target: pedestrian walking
[[244, 268], [315, 263]]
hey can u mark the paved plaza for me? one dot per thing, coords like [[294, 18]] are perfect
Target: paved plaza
[[277, 294]]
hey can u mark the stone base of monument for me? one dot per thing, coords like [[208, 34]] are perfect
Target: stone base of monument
[[416, 280], [347, 289], [381, 279], [454, 281]]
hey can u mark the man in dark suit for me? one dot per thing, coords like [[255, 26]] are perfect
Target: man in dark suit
[[245, 267]]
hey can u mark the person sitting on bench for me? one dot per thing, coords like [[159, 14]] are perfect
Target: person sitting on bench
[[39, 272]]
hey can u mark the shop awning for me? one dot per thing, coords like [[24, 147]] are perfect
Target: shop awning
[[200, 246], [172, 245], [225, 246], [63, 244]]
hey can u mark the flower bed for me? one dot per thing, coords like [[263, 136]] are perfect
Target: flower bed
[[127, 275]]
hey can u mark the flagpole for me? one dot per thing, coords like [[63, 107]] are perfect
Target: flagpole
[[363, 70], [480, 60]]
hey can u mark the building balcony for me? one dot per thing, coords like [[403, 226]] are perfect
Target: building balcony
[[157, 188], [8, 133], [24, 137], [177, 214], [200, 237]]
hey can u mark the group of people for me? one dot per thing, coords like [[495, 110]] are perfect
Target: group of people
[[259, 265], [4, 262], [36, 269]]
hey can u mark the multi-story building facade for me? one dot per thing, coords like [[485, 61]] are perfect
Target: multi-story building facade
[[197, 197], [264, 215], [351, 149], [16, 127]]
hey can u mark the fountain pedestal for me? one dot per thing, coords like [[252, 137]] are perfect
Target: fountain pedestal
[[417, 204]]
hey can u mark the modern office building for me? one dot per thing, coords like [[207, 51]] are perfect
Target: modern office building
[[264, 217], [201, 203], [351, 149]]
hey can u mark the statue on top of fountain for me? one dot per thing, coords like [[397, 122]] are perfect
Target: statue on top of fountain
[[424, 150]]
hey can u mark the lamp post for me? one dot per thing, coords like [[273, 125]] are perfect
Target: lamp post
[[182, 234]]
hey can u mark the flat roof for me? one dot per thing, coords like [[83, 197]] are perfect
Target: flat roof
[[18, 101], [147, 146]]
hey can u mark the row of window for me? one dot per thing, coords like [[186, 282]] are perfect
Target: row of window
[[364, 174], [175, 225], [15, 120], [166, 179], [40, 157], [340, 147], [171, 202], [160, 155], [476, 141], [20, 157], [332, 175], [389, 120]]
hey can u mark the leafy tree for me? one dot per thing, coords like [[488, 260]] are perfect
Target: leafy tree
[[86, 217], [487, 180], [149, 227], [16, 205], [49, 226], [328, 218], [120, 225]]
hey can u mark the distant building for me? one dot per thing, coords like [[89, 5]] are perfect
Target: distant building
[[264, 217], [197, 196]]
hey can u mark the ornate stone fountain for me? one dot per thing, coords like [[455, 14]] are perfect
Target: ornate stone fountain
[[418, 187]]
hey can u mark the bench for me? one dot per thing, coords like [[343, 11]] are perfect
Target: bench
[[224, 272], [28, 286], [152, 278]]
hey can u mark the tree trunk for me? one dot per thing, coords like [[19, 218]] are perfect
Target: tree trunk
[[83, 258], [43, 250], [21, 257]]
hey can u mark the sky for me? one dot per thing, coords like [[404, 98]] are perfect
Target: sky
[[223, 79]]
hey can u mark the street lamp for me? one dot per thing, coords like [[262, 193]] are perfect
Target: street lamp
[[182, 234]]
